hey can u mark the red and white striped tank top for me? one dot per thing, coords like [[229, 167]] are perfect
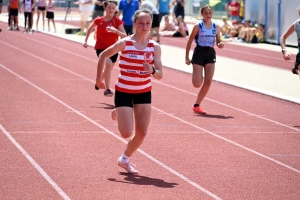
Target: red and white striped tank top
[[42, 3], [132, 77]]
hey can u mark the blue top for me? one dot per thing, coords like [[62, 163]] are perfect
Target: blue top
[[163, 6], [206, 37], [128, 9]]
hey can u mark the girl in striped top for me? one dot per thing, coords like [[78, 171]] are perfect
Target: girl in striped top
[[41, 7], [139, 59], [50, 14]]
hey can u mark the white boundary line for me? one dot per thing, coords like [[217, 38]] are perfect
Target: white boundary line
[[35, 164], [116, 136], [265, 92]]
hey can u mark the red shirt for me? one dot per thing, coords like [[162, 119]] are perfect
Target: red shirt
[[236, 12], [104, 38], [14, 4]]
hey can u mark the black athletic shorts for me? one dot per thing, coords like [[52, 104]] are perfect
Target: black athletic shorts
[[113, 58], [155, 21], [203, 55], [13, 12], [42, 8], [49, 15], [123, 99], [297, 63]]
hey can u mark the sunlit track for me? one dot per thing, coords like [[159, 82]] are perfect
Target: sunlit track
[[242, 147], [158, 82], [35, 164], [214, 196]]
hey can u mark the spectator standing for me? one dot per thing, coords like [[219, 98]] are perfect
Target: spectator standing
[[147, 4], [86, 7], [1, 6], [28, 5], [179, 8], [108, 30], [295, 27], [127, 8], [98, 9], [140, 58], [234, 8], [163, 8], [50, 14], [242, 10], [205, 33], [41, 8], [14, 9]]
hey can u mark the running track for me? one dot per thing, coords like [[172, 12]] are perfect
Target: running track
[[58, 141]]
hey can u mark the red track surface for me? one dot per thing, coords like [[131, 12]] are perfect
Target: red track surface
[[58, 141]]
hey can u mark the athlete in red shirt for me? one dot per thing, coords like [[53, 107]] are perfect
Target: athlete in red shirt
[[109, 29], [234, 8]]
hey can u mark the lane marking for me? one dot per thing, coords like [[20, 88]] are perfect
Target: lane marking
[[230, 141], [214, 196], [158, 82], [265, 92], [35, 164]]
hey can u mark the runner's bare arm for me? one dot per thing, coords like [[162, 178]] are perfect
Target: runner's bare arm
[[158, 73], [189, 44]]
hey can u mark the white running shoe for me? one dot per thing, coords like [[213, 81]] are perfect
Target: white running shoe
[[129, 167]]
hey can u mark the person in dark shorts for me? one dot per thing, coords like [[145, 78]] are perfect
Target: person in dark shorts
[[295, 27], [14, 9], [50, 14], [108, 30], [205, 33], [27, 6], [147, 4], [133, 87], [41, 8], [98, 9]]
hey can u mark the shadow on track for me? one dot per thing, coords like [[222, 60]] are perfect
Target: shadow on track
[[143, 180], [214, 116]]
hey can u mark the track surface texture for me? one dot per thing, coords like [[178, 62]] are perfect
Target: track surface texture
[[59, 142]]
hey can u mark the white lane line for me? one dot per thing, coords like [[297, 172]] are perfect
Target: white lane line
[[114, 135], [229, 141], [35, 164], [167, 85], [228, 106], [158, 82], [261, 91]]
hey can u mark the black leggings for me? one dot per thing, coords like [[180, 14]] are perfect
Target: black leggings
[[28, 16]]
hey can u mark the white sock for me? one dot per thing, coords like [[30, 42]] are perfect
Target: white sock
[[124, 158]]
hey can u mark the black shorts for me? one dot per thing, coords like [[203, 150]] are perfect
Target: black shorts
[[13, 12], [123, 99], [155, 21], [203, 55], [178, 34], [42, 8], [297, 63], [113, 58], [49, 15]]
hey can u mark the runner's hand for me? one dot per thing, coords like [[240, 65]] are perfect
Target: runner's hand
[[148, 67], [286, 56], [85, 45], [100, 84], [187, 61], [220, 45]]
